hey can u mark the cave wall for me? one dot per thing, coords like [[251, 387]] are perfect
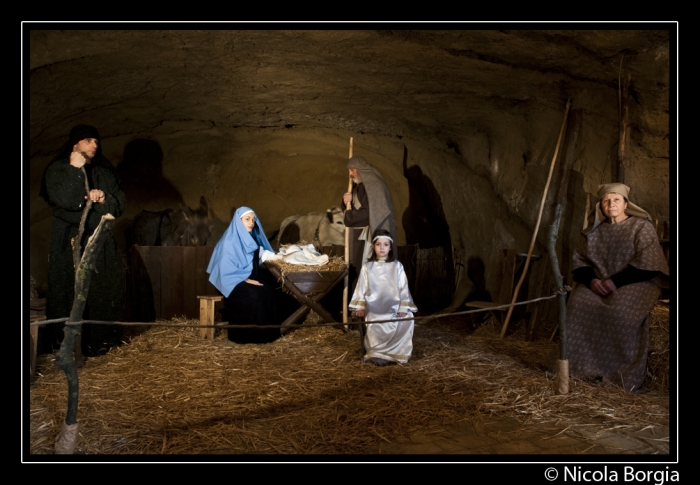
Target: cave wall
[[263, 119]]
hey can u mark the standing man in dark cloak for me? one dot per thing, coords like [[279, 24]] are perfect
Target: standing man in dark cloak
[[63, 187], [371, 208]]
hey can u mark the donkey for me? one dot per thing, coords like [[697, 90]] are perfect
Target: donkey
[[169, 227]]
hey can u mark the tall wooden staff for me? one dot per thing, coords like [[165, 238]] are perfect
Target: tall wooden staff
[[623, 103], [347, 250], [539, 218]]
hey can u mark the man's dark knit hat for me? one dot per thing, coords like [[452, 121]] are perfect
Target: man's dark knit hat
[[80, 132]]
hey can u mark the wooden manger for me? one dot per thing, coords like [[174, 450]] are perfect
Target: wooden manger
[[308, 284]]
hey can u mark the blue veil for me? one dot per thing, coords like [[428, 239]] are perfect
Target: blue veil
[[232, 259]]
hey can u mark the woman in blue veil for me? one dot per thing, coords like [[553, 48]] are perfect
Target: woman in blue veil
[[252, 296]]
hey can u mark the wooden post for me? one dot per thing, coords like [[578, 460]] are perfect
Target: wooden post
[[562, 377], [206, 315], [346, 282]]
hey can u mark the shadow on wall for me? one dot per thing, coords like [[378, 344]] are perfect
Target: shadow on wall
[[425, 225], [142, 180], [424, 219]]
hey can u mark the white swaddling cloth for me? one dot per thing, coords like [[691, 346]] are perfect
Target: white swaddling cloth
[[303, 255]]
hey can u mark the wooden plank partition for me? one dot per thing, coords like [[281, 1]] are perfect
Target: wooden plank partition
[[165, 281], [407, 256], [434, 278]]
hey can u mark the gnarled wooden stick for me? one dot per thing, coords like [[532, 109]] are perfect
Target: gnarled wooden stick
[[65, 441], [76, 245]]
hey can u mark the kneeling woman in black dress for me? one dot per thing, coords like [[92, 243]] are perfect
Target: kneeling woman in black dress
[[252, 296]]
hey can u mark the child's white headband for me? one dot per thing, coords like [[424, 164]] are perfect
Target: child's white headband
[[247, 212], [383, 237]]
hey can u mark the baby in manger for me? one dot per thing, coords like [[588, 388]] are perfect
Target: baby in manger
[[302, 254]]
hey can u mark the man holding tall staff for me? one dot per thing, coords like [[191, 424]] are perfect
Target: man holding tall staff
[[366, 208]]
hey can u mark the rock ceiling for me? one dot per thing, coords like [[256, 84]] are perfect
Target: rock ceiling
[[392, 82]]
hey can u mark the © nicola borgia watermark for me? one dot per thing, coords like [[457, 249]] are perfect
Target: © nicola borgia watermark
[[628, 474]]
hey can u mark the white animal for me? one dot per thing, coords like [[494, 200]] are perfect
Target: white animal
[[317, 228]]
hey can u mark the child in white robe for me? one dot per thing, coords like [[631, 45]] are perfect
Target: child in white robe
[[382, 294]]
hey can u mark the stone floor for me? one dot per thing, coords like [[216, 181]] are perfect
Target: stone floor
[[501, 436]]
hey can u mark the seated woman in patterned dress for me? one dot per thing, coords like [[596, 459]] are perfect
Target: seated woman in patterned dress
[[620, 268]]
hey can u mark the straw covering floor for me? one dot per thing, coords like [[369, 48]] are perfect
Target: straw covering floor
[[165, 391]]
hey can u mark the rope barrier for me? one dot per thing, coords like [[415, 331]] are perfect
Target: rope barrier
[[560, 291]]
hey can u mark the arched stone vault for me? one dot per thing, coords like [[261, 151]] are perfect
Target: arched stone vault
[[263, 118]]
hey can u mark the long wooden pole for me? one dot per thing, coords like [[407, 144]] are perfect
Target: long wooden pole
[[347, 250], [539, 218], [623, 107]]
